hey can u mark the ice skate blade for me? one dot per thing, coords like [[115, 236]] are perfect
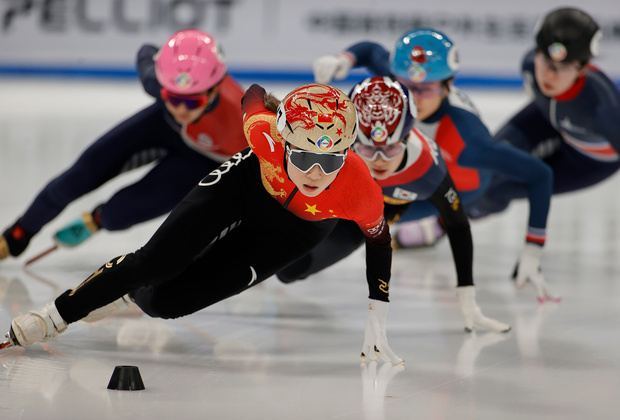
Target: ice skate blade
[[8, 342]]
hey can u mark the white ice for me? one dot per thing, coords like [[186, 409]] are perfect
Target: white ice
[[292, 351]]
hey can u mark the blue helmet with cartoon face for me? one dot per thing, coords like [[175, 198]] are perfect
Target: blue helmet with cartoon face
[[424, 55]]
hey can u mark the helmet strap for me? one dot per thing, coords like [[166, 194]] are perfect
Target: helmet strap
[[403, 162], [447, 84]]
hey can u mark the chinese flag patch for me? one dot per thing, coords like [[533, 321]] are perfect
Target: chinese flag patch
[[325, 118]]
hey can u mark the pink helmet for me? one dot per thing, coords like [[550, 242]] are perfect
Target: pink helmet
[[190, 62]]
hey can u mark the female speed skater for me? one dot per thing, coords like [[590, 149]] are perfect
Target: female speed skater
[[408, 167], [193, 126], [245, 221], [572, 123], [426, 61]]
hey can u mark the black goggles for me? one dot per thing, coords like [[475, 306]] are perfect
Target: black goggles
[[305, 160], [190, 101]]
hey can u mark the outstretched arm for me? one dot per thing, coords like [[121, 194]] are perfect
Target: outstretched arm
[[366, 54], [378, 272], [454, 221], [146, 70]]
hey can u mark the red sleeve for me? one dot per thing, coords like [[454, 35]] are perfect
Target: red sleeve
[[259, 124], [253, 101]]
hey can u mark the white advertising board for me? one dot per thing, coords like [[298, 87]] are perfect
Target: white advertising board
[[278, 36]]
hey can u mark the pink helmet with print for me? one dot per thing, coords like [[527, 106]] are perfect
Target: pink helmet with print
[[190, 62]]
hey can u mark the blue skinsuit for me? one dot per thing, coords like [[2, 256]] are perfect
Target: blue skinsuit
[[469, 150], [577, 134], [147, 136]]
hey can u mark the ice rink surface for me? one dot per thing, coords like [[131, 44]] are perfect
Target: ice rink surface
[[292, 351]]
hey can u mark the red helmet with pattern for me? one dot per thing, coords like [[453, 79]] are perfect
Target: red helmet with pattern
[[317, 118], [385, 110]]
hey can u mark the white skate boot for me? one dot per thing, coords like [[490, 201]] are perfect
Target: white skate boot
[[122, 304], [35, 327]]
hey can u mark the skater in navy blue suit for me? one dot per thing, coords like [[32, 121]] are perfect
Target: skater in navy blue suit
[[193, 124], [572, 123], [426, 61]]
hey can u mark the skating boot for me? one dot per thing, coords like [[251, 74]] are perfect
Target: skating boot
[[13, 241], [77, 231], [35, 327]]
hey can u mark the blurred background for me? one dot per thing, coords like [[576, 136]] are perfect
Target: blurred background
[[276, 39]]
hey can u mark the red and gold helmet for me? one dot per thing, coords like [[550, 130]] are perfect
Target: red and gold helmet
[[317, 118]]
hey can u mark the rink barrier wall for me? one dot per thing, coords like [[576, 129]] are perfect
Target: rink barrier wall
[[470, 80], [277, 39]]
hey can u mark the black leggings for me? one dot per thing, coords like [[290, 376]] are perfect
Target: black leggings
[[226, 236]]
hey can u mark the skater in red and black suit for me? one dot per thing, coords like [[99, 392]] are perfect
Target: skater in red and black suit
[[259, 211]]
